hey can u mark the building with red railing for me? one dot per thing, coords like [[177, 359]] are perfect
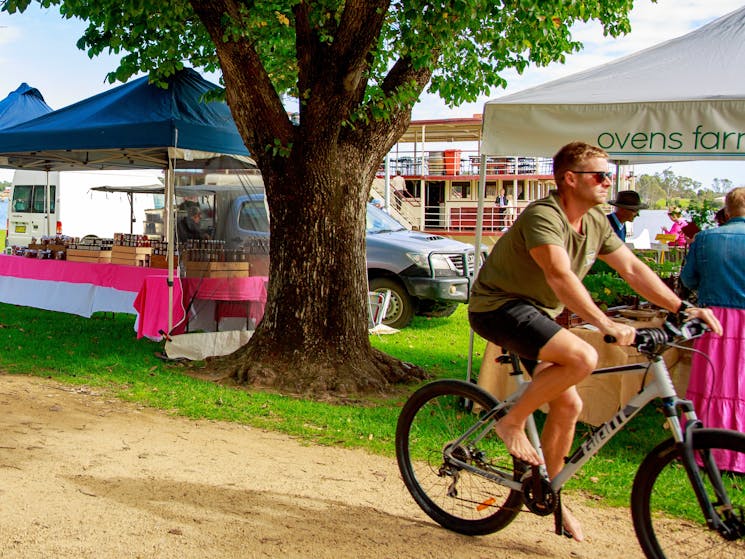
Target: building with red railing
[[439, 161]]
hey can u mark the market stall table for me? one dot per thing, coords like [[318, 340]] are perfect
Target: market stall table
[[73, 287], [212, 299], [198, 303]]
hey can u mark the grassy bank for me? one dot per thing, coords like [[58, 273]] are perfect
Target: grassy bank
[[102, 352]]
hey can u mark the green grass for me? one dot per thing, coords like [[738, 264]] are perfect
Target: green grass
[[102, 352]]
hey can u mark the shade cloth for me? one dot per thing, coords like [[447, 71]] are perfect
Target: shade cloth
[[23, 104]]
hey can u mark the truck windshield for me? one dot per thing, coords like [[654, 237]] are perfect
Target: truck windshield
[[253, 216], [380, 222]]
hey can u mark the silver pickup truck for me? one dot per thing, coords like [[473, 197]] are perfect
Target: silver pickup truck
[[426, 273]]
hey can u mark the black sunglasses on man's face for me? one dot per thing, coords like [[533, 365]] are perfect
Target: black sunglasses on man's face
[[600, 176]]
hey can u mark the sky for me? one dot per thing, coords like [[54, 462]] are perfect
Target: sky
[[38, 47]]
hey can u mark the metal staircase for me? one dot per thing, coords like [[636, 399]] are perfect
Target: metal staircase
[[406, 210]]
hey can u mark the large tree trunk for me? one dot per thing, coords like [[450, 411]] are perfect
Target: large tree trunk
[[313, 338], [314, 335]]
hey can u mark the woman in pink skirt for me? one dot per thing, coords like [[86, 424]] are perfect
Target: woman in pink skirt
[[715, 268]]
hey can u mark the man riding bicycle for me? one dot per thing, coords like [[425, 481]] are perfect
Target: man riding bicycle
[[533, 271]]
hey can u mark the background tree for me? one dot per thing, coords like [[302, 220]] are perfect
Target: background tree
[[722, 185], [660, 189], [651, 190], [356, 67]]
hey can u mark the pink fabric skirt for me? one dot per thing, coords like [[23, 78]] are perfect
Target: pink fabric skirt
[[718, 390]]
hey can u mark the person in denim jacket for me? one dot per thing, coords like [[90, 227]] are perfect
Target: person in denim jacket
[[715, 268]]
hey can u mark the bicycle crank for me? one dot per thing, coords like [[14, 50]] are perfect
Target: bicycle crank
[[540, 498]]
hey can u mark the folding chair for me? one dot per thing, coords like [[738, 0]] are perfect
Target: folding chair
[[377, 306]]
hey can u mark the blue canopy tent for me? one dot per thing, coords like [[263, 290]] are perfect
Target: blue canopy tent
[[25, 103], [135, 125]]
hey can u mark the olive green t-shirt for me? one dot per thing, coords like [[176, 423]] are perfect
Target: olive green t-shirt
[[510, 273]]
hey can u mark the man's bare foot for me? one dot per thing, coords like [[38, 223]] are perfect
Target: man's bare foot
[[571, 525], [517, 443]]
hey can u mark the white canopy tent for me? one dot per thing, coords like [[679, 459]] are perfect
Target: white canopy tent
[[681, 100]]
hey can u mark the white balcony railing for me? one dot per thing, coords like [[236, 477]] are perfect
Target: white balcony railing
[[463, 162]]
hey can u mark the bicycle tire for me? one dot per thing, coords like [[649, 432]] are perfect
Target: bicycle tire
[[665, 511], [457, 499]]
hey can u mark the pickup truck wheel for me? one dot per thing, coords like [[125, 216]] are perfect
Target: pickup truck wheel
[[401, 307]]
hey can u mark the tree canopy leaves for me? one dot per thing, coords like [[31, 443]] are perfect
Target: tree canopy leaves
[[465, 44]]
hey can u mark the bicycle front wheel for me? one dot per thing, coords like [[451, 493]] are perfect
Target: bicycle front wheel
[[430, 422], [667, 517]]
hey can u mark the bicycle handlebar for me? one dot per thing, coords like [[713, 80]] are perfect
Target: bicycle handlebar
[[654, 340]]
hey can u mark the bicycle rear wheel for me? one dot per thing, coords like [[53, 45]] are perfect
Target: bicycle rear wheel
[[457, 499], [667, 517]]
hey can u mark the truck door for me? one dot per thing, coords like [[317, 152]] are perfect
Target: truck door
[[27, 214]]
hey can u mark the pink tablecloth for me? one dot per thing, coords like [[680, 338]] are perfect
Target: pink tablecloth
[[123, 278], [152, 300], [151, 305], [245, 297], [72, 287]]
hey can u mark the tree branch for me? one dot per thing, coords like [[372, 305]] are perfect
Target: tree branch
[[249, 89], [332, 75]]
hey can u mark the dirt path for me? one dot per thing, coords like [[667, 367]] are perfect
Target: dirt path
[[82, 475]]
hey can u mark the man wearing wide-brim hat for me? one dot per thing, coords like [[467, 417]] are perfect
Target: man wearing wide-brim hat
[[627, 205]]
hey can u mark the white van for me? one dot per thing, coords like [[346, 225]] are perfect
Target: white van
[[72, 208]]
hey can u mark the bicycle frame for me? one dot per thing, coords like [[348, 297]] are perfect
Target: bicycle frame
[[661, 386]]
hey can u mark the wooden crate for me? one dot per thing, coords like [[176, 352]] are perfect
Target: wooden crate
[[130, 256], [216, 269], [95, 256]]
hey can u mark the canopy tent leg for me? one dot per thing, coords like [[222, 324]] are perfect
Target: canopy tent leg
[[169, 203], [477, 250]]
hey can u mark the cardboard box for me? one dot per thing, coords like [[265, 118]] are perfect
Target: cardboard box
[[161, 261], [216, 269], [138, 262]]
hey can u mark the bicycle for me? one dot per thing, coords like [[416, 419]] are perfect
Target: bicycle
[[461, 475]]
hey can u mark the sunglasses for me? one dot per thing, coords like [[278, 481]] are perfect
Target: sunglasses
[[600, 176]]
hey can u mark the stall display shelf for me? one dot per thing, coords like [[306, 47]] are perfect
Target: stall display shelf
[[92, 256], [216, 269], [130, 256]]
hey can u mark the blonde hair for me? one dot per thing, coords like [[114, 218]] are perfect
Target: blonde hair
[[734, 202], [677, 211], [572, 156]]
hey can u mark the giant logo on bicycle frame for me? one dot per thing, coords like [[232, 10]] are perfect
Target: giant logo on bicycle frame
[[604, 433]]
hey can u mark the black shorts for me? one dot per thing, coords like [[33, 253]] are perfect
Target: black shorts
[[518, 327]]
